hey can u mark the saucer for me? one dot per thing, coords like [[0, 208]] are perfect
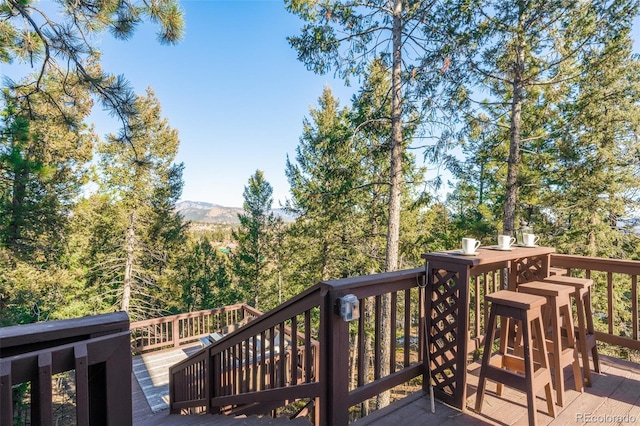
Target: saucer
[[500, 248], [461, 253], [524, 245]]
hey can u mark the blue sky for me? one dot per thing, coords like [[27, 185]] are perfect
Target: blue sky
[[232, 87]]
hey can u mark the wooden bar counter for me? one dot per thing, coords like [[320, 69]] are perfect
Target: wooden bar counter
[[449, 303]]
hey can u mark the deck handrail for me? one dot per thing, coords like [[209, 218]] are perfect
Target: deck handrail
[[342, 399], [96, 348], [186, 328], [238, 384], [607, 274], [277, 358], [251, 375]]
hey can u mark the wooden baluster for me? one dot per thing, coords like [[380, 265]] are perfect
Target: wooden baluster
[[392, 355], [634, 305], [82, 384], [6, 396], [41, 393]]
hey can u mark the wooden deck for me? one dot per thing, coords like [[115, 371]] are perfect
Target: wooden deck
[[152, 373], [614, 398]]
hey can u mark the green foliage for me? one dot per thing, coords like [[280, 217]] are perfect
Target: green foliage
[[45, 38], [143, 185], [43, 163], [253, 260], [577, 159], [203, 274], [29, 293]]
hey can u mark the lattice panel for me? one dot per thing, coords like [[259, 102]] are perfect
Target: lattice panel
[[444, 311], [528, 269]]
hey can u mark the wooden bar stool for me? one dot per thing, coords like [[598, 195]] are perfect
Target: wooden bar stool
[[557, 271], [586, 336], [521, 373], [563, 351]]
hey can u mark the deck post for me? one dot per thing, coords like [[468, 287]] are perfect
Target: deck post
[[6, 396], [175, 332], [118, 380], [334, 361]]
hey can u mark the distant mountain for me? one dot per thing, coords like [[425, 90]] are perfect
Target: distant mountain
[[198, 211]]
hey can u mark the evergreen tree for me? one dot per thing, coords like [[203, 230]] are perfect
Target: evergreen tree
[[144, 184], [347, 37], [254, 257], [43, 164], [523, 55], [594, 181], [202, 273], [45, 38], [323, 181]]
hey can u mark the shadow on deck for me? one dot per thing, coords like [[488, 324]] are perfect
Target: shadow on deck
[[151, 371]]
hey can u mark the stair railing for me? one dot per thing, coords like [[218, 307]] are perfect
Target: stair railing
[[268, 363]]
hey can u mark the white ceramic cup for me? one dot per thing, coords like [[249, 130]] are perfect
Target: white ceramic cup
[[505, 241], [470, 245], [529, 239]]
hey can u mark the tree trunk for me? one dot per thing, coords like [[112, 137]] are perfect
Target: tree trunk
[[395, 190], [128, 267], [16, 221], [511, 190], [595, 223], [395, 193]]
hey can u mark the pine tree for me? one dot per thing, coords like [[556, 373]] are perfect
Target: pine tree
[[44, 39], [348, 37], [523, 55], [203, 275], [144, 184], [593, 182], [254, 257], [323, 181], [43, 164]]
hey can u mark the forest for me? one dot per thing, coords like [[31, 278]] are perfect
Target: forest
[[532, 107]]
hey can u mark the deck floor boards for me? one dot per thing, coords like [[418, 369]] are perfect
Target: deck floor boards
[[152, 373], [615, 393]]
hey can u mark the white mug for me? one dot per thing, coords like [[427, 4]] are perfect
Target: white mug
[[529, 239], [470, 245], [505, 241]]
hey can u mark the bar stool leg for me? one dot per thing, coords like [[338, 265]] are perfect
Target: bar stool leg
[[491, 327], [586, 338], [556, 348], [582, 335], [571, 339], [591, 330], [548, 391]]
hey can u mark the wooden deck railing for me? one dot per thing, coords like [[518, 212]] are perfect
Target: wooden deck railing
[[349, 348], [614, 296], [182, 329], [96, 348], [264, 365], [241, 374]]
